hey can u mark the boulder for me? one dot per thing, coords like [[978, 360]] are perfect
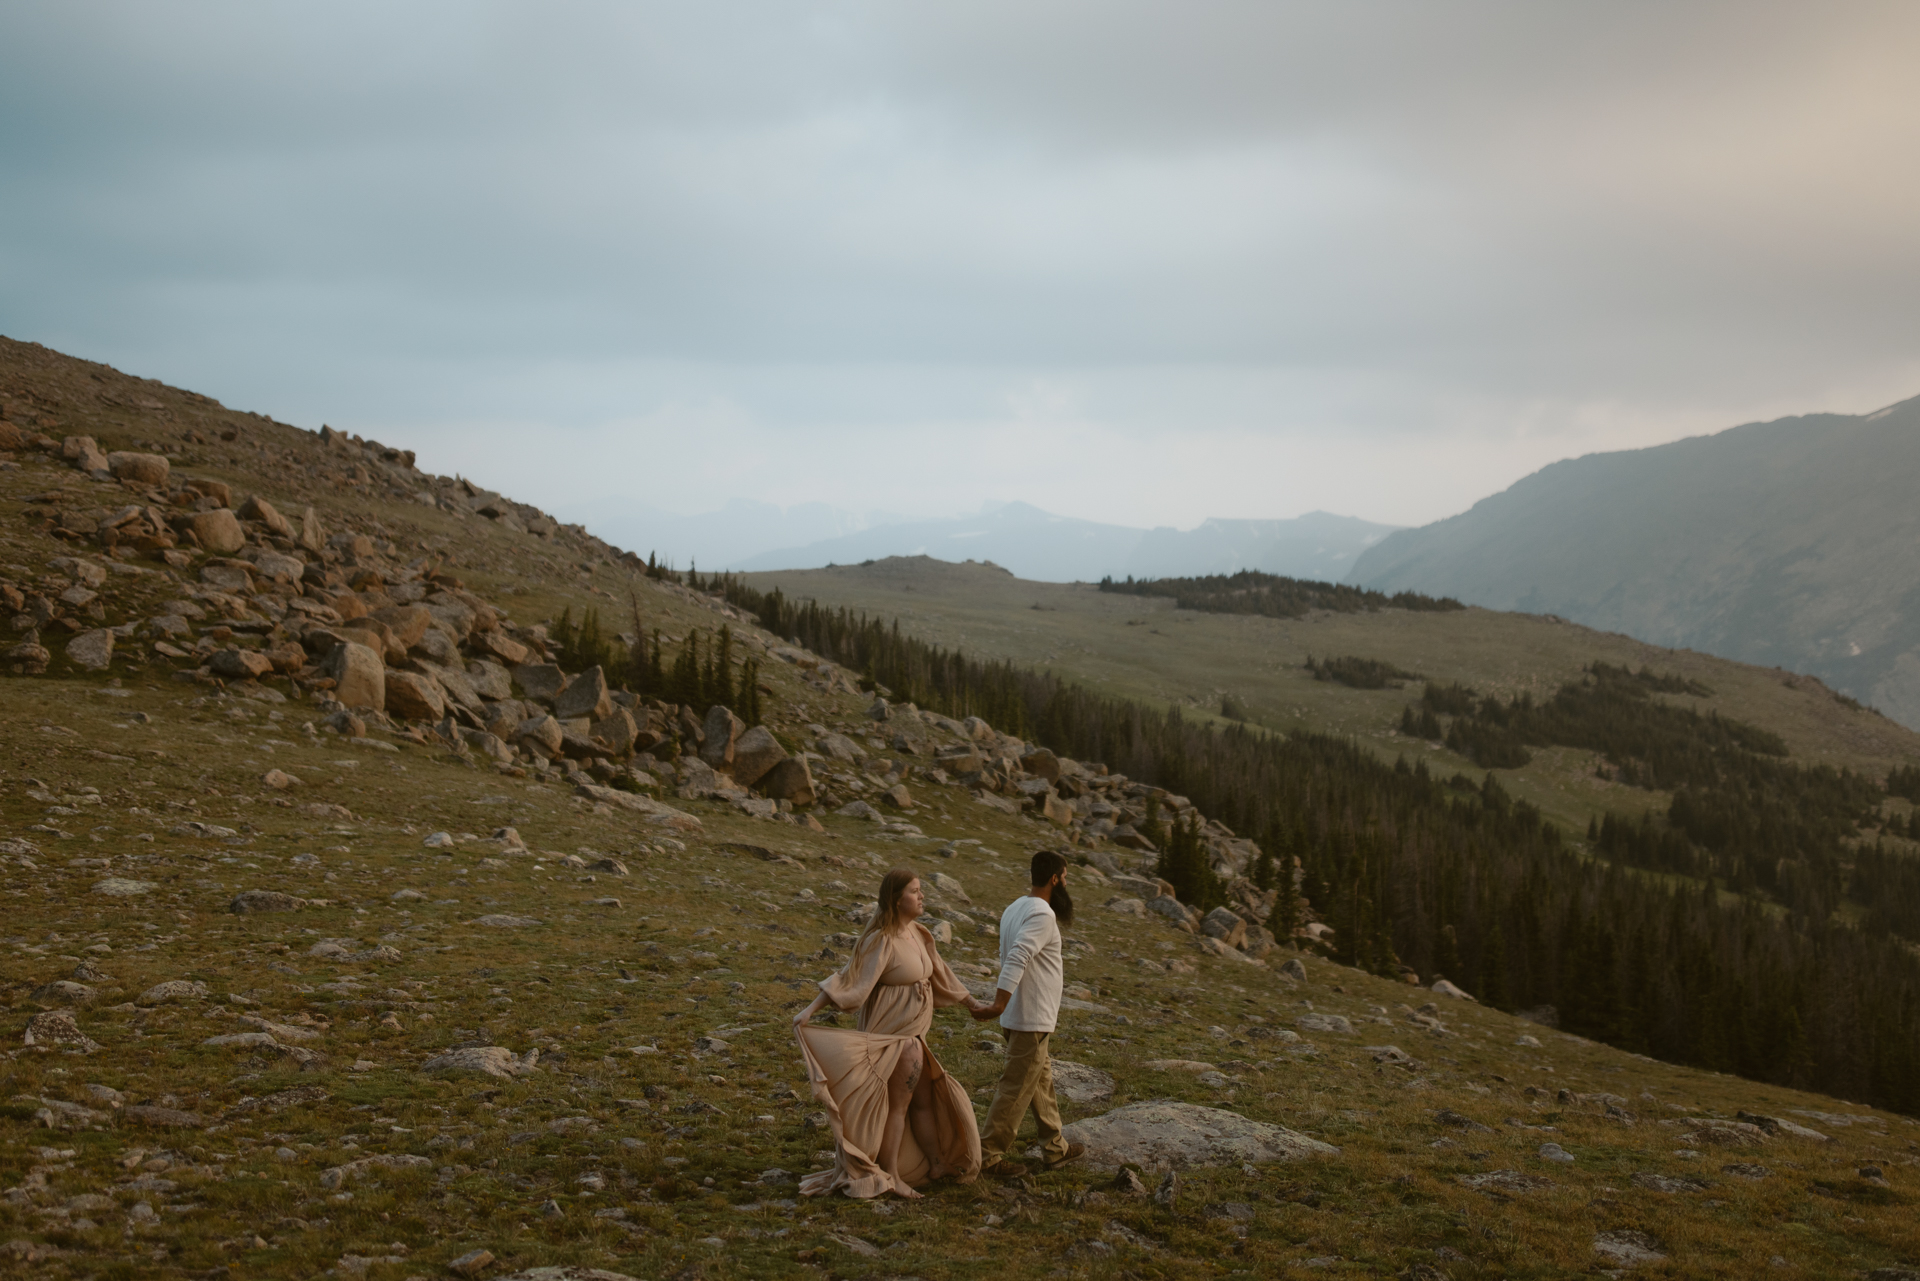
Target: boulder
[[217, 531], [1324, 1023], [543, 730], [501, 646], [539, 681], [660, 815], [312, 536], [1175, 1136], [722, 730], [1225, 926], [1078, 1083], [359, 675], [121, 887], [791, 780], [489, 680], [279, 566], [838, 747], [754, 755], [218, 490], [1176, 912], [84, 452], [859, 809], [258, 508], [57, 1029], [140, 469], [898, 796], [1443, 988], [1042, 764], [1055, 811], [172, 990], [1294, 970], [247, 902], [616, 730], [413, 697], [585, 695], [236, 664], [1258, 941], [408, 623], [91, 650], [948, 887], [62, 992]]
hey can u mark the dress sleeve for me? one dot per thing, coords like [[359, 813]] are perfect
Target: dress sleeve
[[947, 987], [850, 988]]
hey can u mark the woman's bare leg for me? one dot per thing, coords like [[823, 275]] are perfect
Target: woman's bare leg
[[900, 1088], [926, 1132]]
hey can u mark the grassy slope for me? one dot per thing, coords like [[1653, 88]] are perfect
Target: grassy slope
[[1143, 647], [1393, 1198]]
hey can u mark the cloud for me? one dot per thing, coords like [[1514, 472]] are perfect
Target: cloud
[[1269, 257]]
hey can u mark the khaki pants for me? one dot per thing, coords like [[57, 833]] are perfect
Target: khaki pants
[[1027, 1082]]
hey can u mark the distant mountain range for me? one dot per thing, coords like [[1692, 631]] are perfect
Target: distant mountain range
[[1793, 543], [1035, 544]]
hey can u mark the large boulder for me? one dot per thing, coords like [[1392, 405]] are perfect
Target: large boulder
[[755, 755], [258, 508], [1055, 810], [236, 664], [359, 675], [84, 452], [789, 780], [1078, 1083], [1225, 926], [616, 730], [312, 536], [247, 902], [1164, 1135], [414, 697], [1042, 764], [489, 680], [408, 623], [585, 695], [1176, 912], [723, 731], [216, 531], [139, 469], [539, 681], [92, 650], [543, 731]]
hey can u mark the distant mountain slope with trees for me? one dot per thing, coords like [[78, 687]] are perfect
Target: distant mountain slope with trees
[[1789, 543]]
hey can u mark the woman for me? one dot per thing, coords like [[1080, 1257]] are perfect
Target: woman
[[899, 1121]]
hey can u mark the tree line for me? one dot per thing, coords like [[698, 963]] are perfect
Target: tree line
[[1272, 595]]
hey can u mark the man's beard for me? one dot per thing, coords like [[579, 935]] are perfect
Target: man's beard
[[1062, 904]]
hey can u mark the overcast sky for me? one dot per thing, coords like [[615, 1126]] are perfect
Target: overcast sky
[[1138, 263]]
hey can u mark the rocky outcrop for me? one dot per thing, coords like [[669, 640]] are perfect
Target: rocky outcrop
[[1164, 1135]]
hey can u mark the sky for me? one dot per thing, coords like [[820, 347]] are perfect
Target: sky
[[1137, 263]]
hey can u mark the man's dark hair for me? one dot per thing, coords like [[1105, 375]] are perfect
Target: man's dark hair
[[1048, 864]]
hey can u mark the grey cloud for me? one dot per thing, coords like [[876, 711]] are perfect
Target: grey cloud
[[1396, 218]]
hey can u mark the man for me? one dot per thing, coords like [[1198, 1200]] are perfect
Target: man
[[1027, 1003]]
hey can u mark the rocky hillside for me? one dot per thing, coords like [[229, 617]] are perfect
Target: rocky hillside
[[1783, 544], [360, 932]]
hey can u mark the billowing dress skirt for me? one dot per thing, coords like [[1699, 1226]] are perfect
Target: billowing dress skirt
[[896, 982]]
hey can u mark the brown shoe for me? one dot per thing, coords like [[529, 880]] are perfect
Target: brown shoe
[[1003, 1169], [1074, 1152]]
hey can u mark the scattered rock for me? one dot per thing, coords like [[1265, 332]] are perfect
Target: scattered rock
[[1505, 1181], [279, 780], [172, 990], [1454, 1121], [121, 887], [790, 780], [1666, 1183], [1078, 1083], [487, 1060], [343, 1174], [141, 469], [502, 921], [1323, 1023], [236, 664], [1554, 1152], [1628, 1247], [1180, 1135], [249, 901], [1294, 970], [585, 695], [164, 1118], [359, 675], [1442, 987], [57, 1030], [62, 993], [859, 809]]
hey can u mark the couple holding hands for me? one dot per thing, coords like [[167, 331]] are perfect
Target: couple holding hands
[[899, 1120]]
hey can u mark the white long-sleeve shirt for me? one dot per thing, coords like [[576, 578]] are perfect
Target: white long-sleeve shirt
[[1031, 966]]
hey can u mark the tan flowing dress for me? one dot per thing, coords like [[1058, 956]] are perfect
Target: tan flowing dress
[[897, 982]]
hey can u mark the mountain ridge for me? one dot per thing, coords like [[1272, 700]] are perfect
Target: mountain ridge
[[1776, 543]]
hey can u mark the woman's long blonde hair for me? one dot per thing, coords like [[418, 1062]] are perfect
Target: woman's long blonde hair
[[887, 918]]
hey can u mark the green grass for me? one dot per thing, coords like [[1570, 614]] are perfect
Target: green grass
[[1144, 648]]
